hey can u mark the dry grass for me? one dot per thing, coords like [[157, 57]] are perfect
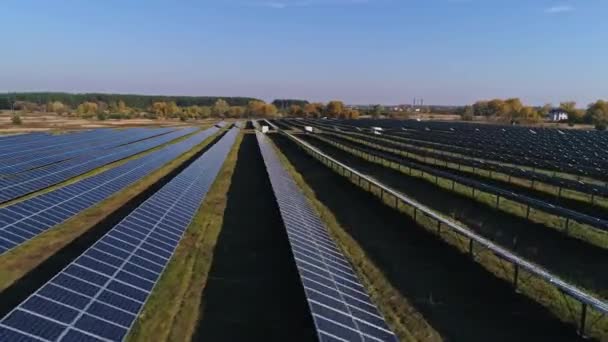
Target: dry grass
[[172, 311]]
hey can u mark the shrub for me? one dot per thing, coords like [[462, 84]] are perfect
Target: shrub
[[16, 119]]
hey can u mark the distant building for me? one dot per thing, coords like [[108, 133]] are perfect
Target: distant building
[[558, 115]]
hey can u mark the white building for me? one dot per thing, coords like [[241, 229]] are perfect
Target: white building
[[558, 115]]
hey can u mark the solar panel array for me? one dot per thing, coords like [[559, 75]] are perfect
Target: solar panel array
[[533, 202], [22, 160], [340, 306], [25, 220], [99, 296], [580, 152], [394, 140], [34, 180]]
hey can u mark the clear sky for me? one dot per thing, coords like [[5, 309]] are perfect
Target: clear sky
[[360, 51]]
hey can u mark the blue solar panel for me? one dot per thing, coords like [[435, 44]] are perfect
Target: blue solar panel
[[340, 306], [24, 220], [20, 160], [100, 298], [37, 179]]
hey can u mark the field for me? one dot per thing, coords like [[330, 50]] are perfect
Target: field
[[410, 231], [42, 122]]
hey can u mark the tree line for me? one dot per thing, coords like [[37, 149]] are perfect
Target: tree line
[[514, 110], [333, 109], [133, 101]]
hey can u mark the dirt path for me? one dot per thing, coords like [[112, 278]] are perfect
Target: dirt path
[[456, 295], [253, 292]]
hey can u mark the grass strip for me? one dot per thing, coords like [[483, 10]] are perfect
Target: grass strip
[[402, 317], [172, 311], [19, 261]]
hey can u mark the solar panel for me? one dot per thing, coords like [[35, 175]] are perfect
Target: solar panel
[[27, 182], [20, 160], [339, 303], [25, 220], [99, 295]]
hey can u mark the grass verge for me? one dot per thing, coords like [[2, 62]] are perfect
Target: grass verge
[[21, 260], [401, 316], [172, 311]]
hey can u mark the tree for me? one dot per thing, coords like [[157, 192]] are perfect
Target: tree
[[173, 110], [159, 109], [220, 108], [16, 119], [295, 110], [334, 109], [236, 112], [261, 109], [56, 107], [191, 111], [597, 113], [545, 110], [350, 113], [313, 110], [481, 108], [204, 112], [574, 115], [376, 111], [269, 110], [467, 113], [87, 108]]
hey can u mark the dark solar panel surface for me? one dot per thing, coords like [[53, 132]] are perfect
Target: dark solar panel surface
[[25, 220], [34, 180], [99, 296], [340, 306]]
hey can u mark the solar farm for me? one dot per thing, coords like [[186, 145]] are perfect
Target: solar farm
[[305, 230]]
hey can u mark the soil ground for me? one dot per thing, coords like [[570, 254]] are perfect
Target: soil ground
[[36, 122], [456, 295], [253, 292]]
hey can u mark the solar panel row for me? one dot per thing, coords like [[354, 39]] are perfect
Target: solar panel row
[[532, 202], [467, 159], [25, 220], [37, 142], [27, 182], [340, 306], [99, 296], [106, 140]]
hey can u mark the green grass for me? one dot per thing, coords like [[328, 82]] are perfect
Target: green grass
[[562, 307], [19, 261], [401, 316], [172, 311]]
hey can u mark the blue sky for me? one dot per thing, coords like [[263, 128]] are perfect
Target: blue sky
[[361, 51]]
